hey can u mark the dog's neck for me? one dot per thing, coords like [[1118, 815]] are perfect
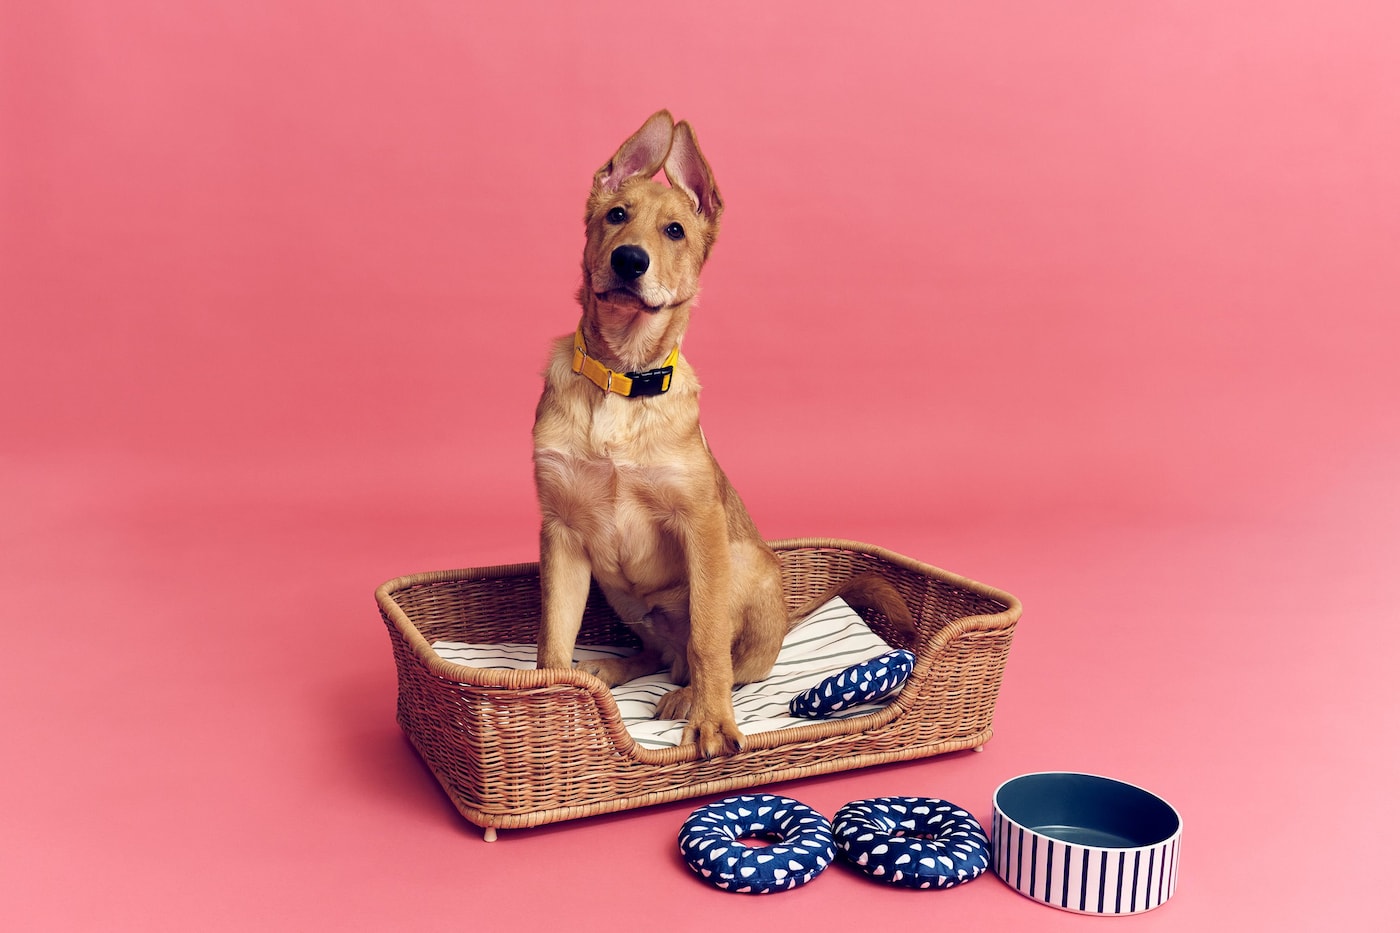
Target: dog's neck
[[629, 339]]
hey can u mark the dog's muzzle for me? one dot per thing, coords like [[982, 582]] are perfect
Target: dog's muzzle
[[630, 262]]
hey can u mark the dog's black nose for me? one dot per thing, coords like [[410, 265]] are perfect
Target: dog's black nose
[[629, 262]]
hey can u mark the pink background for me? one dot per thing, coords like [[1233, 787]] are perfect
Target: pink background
[[1095, 302]]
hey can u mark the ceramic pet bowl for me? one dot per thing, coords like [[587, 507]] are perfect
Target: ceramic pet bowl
[[1085, 843]]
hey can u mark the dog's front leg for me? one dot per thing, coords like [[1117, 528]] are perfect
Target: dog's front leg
[[709, 651], [564, 578]]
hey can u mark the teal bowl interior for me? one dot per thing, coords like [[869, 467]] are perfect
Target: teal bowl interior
[[1086, 810]]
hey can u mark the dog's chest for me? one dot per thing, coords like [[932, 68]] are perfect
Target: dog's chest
[[624, 514], [621, 479], [614, 432], [629, 434]]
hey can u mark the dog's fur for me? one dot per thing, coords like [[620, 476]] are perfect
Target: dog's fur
[[629, 492]]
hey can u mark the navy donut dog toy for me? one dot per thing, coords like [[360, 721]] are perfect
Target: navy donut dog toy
[[710, 843], [914, 842], [861, 683]]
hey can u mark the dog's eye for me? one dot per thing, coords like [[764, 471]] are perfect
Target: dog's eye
[[617, 215], [675, 231]]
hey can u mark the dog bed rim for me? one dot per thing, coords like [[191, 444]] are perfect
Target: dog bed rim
[[616, 731], [525, 680]]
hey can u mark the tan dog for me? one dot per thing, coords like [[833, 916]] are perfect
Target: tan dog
[[629, 492]]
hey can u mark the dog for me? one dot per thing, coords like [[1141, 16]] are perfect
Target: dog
[[629, 492]]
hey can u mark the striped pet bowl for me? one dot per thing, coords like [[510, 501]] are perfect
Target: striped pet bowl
[[1085, 843]]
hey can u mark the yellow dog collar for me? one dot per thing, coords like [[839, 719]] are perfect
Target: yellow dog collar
[[630, 385]]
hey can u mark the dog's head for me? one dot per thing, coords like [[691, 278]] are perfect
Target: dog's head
[[646, 241]]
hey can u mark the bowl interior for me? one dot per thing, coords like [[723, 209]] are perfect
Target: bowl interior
[[1087, 810]]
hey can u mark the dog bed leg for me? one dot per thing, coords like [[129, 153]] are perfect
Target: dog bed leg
[[490, 834]]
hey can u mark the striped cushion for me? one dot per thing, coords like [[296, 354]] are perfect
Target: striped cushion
[[824, 644]]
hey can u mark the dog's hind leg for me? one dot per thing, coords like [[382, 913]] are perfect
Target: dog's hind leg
[[614, 671], [763, 623]]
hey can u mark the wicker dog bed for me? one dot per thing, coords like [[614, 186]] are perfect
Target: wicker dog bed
[[515, 749]]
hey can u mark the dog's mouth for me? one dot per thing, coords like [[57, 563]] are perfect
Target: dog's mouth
[[626, 297]]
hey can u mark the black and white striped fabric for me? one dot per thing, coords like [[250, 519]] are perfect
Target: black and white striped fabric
[[823, 645]]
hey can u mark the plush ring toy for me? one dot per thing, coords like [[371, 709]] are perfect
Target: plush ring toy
[[914, 842], [862, 683], [802, 847]]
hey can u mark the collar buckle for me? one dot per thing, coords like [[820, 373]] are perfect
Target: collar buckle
[[651, 382]]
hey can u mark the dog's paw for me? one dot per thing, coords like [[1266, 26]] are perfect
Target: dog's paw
[[611, 671], [675, 705], [714, 736]]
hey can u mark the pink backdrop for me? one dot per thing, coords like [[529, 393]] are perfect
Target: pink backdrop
[[1093, 302]]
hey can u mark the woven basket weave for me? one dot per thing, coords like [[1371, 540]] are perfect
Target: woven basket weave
[[515, 749]]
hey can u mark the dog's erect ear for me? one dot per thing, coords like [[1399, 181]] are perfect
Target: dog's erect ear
[[687, 169], [642, 154]]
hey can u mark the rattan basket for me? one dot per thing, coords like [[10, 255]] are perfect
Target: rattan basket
[[515, 749]]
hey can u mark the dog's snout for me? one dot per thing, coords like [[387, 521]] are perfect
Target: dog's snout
[[629, 262]]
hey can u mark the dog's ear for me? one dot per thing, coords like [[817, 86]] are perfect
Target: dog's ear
[[687, 169], [642, 154]]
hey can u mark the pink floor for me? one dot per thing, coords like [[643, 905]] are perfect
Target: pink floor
[[1094, 303]]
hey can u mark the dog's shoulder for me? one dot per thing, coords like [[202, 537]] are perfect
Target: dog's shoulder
[[563, 404], [559, 365]]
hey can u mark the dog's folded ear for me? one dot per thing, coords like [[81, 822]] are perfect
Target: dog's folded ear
[[687, 169], [643, 154]]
